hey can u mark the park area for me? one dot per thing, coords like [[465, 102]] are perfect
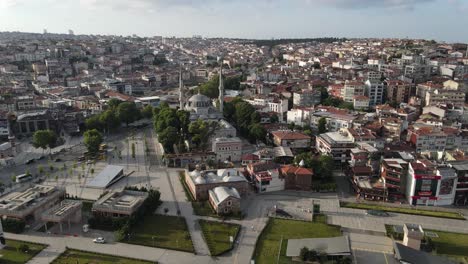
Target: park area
[[17, 252], [162, 231], [278, 231], [453, 245], [402, 210], [72, 256], [217, 236]]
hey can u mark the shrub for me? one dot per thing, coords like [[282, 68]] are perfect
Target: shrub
[[13, 225], [23, 248]]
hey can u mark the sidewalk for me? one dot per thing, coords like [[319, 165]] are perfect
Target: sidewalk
[[57, 245]]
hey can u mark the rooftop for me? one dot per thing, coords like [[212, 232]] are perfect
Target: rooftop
[[331, 246], [124, 201], [108, 176]]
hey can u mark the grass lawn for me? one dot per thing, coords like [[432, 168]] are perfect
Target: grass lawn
[[266, 250], [450, 215], [451, 244], [12, 255], [162, 231], [71, 256], [217, 235]]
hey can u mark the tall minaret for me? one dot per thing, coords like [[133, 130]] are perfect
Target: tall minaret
[[2, 238], [181, 89], [221, 90]]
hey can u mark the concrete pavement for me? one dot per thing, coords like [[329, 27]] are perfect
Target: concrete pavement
[[57, 245]]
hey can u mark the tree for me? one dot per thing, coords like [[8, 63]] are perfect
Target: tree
[[133, 150], [147, 112], [44, 139], [257, 132], [322, 125], [109, 120], [92, 140], [306, 157], [304, 254], [274, 119], [127, 112], [168, 137], [326, 167], [2, 187], [113, 103], [200, 132], [94, 122]]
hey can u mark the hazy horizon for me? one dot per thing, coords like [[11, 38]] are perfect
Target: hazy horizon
[[441, 20]]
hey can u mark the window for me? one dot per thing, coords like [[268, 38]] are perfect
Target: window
[[229, 203]]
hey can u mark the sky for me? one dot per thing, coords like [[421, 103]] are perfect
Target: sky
[[442, 20]]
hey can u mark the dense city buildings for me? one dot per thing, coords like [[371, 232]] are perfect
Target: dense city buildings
[[104, 133]]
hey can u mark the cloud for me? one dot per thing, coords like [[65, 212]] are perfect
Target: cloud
[[359, 4], [162, 4]]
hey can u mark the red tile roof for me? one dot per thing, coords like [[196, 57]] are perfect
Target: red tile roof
[[290, 135]]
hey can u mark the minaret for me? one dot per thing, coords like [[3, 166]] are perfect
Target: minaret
[[221, 90], [181, 89], [2, 238]]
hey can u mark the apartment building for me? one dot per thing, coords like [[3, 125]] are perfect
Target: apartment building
[[307, 97], [445, 97], [429, 183], [375, 92], [336, 144], [393, 175], [352, 89], [398, 91]]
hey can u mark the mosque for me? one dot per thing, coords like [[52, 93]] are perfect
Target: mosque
[[201, 106]]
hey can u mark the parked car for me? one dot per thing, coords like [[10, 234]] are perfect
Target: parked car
[[29, 161], [58, 160], [99, 240]]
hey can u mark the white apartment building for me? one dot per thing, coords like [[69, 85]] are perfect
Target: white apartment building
[[300, 116], [352, 89], [375, 92], [271, 104]]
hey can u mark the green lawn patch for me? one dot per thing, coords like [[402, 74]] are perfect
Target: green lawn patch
[[453, 245], [13, 252], [278, 231], [73, 256], [162, 231], [439, 214], [217, 236]]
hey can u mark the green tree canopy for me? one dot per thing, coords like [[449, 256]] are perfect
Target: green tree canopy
[[94, 122], [322, 125], [147, 111], [109, 120], [113, 103], [44, 139], [257, 132], [128, 112], [210, 88], [168, 137], [92, 140], [200, 132]]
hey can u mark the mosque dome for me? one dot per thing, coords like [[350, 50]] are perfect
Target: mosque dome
[[199, 100], [200, 180]]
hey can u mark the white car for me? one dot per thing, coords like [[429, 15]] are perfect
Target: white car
[[99, 240]]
